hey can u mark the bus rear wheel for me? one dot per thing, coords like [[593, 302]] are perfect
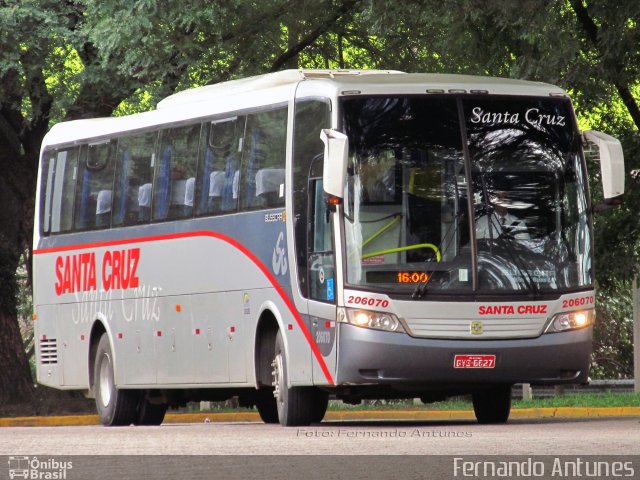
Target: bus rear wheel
[[493, 404], [295, 405], [115, 406]]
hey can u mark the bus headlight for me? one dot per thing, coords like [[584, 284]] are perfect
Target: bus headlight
[[571, 320], [370, 319]]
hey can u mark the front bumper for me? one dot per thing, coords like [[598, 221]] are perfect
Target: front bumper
[[372, 357]]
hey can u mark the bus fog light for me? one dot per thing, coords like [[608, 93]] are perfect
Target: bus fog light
[[375, 320], [571, 320]]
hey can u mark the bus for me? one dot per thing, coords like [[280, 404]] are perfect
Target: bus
[[314, 234]]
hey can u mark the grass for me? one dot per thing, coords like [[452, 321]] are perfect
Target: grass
[[608, 399]]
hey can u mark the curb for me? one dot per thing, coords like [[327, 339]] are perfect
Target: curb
[[340, 415]]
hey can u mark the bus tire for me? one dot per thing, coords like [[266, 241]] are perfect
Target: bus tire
[[295, 404], [320, 404], [150, 413], [115, 406], [492, 405], [266, 405]]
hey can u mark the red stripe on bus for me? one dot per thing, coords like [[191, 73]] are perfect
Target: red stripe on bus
[[230, 241]]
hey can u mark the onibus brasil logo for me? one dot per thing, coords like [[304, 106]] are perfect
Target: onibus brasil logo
[[38, 469]]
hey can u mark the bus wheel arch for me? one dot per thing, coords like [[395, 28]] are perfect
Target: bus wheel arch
[[97, 331], [115, 406], [265, 341], [296, 406]]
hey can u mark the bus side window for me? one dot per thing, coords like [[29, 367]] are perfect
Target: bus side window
[[134, 174], [217, 185], [95, 186], [59, 183], [175, 175], [162, 184], [263, 160]]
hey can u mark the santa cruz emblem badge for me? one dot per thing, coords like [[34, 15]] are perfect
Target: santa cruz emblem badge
[[476, 327], [279, 257]]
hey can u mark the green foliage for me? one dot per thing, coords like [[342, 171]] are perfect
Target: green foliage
[[597, 400], [593, 400], [613, 334], [83, 58]]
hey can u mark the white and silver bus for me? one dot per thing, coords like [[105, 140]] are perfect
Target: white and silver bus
[[306, 234]]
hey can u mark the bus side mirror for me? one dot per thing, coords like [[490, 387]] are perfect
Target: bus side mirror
[[611, 165], [336, 150]]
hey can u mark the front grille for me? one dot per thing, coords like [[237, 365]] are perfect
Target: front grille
[[502, 328]]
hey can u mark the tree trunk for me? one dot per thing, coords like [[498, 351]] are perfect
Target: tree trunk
[[17, 188], [16, 385]]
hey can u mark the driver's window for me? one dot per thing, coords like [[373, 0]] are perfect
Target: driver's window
[[321, 257], [311, 116]]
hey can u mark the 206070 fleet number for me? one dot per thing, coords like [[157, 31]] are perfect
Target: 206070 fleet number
[[367, 301]]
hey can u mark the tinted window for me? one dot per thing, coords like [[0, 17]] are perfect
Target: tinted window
[[174, 186], [219, 167], [134, 176], [95, 186], [263, 160], [532, 219], [59, 176]]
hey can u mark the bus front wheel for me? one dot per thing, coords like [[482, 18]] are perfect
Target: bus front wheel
[[294, 404], [492, 405], [320, 404], [266, 405], [150, 413], [115, 406]]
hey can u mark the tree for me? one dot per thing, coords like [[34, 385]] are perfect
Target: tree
[[588, 47], [70, 59], [67, 59]]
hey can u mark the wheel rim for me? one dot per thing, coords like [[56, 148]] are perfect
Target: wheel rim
[[277, 379], [106, 382]]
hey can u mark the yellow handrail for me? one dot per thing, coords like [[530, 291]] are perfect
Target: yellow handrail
[[380, 232], [404, 249], [376, 234]]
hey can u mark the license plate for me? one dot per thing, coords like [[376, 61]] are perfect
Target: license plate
[[474, 361]]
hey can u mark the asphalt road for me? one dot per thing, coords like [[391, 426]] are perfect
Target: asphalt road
[[612, 436]]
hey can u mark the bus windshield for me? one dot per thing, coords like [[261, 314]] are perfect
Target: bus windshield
[[414, 206]]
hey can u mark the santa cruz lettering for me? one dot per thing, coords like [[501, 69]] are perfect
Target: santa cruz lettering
[[531, 116], [512, 309], [78, 273]]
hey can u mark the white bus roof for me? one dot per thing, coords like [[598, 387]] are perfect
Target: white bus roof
[[280, 87]]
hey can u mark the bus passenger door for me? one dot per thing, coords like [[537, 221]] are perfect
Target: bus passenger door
[[322, 288]]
